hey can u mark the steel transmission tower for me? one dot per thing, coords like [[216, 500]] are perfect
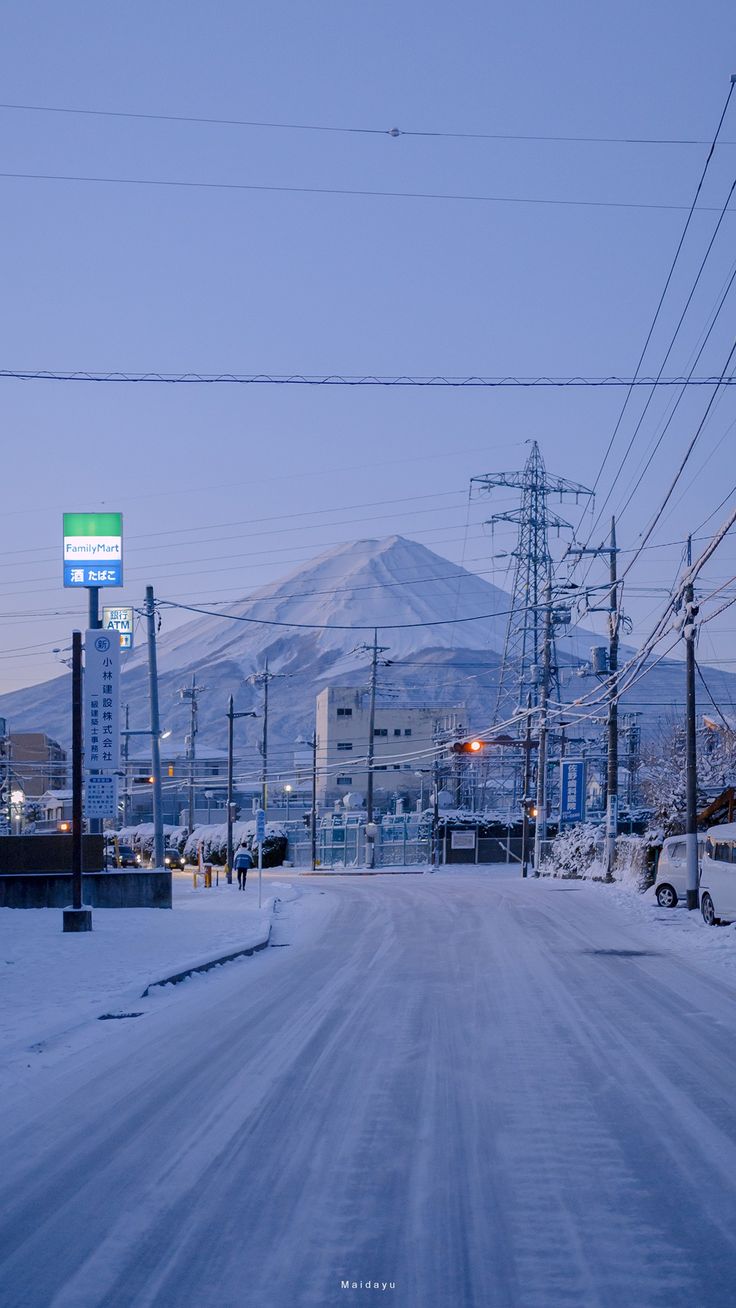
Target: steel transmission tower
[[523, 654]]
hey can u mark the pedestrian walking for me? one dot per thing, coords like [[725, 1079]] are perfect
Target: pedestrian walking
[[242, 861]]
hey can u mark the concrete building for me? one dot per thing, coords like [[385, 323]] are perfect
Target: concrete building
[[403, 740], [210, 788], [37, 763]]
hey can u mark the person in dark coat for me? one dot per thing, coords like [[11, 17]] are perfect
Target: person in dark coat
[[242, 861]]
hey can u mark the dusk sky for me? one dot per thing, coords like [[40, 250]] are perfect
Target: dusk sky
[[226, 487]]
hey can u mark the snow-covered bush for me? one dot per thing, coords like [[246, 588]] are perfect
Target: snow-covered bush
[[633, 862], [141, 837], [213, 842], [574, 852]]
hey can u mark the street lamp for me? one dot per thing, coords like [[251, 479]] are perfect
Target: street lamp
[[287, 791], [302, 740]]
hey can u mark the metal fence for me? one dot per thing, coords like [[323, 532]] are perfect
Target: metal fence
[[400, 842]]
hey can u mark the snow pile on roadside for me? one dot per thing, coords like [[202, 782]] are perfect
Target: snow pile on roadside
[[53, 983], [680, 930]]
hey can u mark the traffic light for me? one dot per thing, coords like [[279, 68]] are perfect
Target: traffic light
[[468, 747]]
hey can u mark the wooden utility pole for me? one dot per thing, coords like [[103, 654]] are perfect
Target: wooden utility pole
[[691, 756], [526, 797], [540, 829], [614, 626], [614, 620], [158, 808]]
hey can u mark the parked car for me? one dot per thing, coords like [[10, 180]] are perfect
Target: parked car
[[172, 857], [123, 856], [718, 875], [670, 885]]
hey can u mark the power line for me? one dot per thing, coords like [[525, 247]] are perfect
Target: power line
[[393, 132], [330, 626], [670, 347], [683, 462], [168, 182], [334, 379], [668, 279]]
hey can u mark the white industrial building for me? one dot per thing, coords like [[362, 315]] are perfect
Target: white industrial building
[[403, 739]]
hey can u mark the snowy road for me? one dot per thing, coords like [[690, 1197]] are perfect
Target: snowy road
[[487, 1091]]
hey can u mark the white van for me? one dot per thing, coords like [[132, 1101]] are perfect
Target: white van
[[718, 875], [670, 886]]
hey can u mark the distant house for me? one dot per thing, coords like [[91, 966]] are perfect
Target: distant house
[[56, 809]]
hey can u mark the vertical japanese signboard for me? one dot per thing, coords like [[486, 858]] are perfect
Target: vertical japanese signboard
[[93, 549], [572, 790], [101, 701]]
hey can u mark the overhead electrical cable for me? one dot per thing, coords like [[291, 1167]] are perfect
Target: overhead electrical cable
[[361, 192], [668, 279], [393, 132], [653, 522], [668, 351], [333, 379]]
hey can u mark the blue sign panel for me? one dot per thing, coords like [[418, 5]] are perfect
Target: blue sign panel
[[94, 574], [572, 790]]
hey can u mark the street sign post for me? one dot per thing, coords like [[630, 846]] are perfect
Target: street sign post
[[101, 701], [572, 790], [100, 796], [121, 620], [260, 837], [93, 549]]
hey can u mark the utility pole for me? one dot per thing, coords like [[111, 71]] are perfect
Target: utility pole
[[77, 918], [614, 626], [436, 812], [540, 829], [231, 716], [612, 785], [372, 726], [191, 693], [526, 797], [264, 744], [263, 679], [313, 822], [691, 760], [158, 811]]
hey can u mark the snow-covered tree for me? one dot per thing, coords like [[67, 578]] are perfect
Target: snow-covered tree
[[663, 770]]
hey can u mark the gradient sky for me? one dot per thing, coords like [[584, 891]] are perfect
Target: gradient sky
[[113, 277]]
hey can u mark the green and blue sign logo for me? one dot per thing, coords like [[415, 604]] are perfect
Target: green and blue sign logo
[[93, 549]]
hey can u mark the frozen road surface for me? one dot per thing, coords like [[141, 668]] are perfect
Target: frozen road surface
[[472, 1089]]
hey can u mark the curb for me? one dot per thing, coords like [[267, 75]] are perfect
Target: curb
[[421, 868], [205, 967]]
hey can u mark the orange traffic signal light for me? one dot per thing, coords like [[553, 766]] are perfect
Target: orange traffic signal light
[[468, 746]]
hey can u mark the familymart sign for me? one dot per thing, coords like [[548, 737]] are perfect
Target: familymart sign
[[93, 549]]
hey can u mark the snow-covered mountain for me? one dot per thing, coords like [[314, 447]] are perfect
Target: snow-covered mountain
[[444, 628]]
